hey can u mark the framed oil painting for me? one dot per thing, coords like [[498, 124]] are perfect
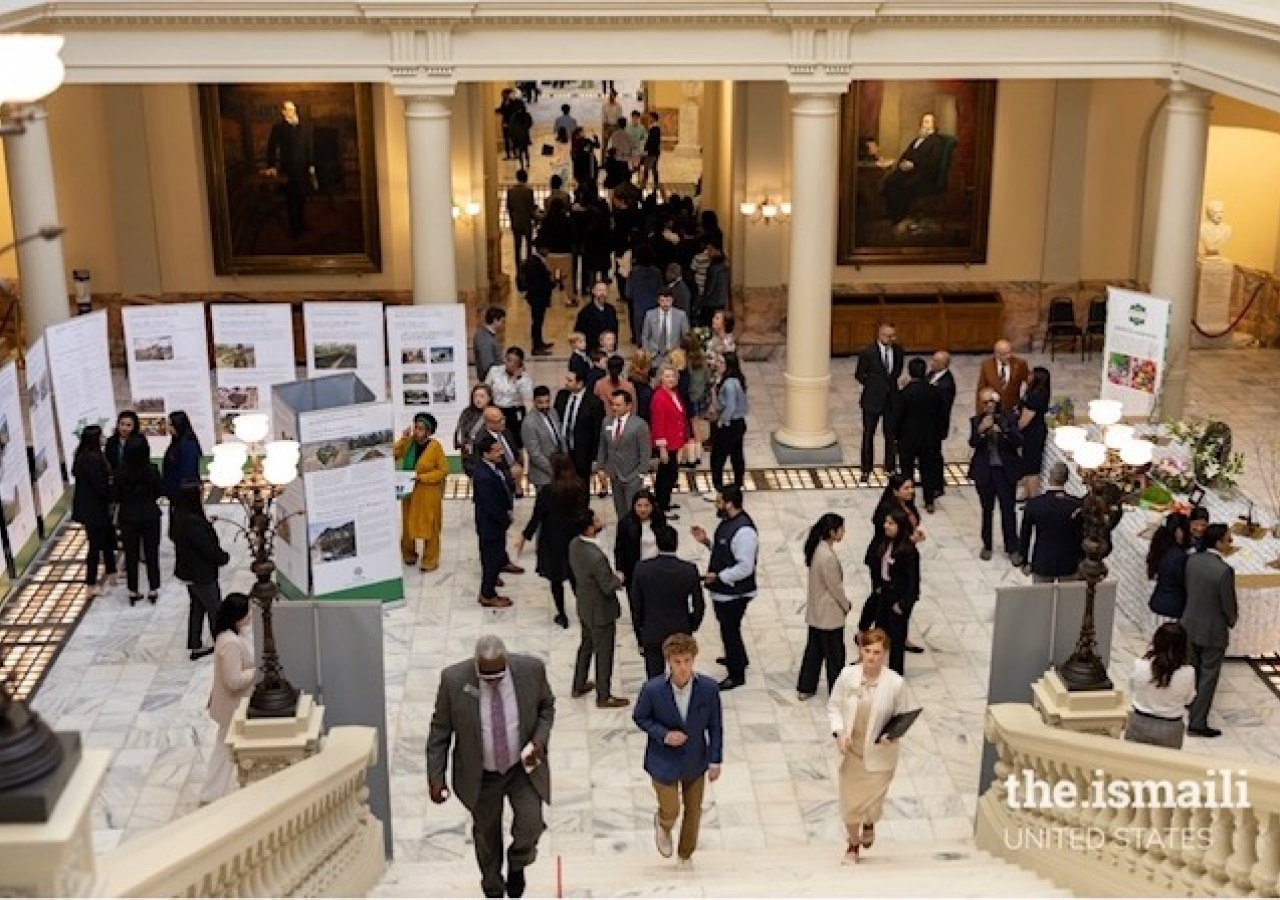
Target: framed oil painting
[[915, 172], [291, 177]]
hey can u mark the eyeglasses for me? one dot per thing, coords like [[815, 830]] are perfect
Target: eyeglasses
[[491, 676], [989, 402]]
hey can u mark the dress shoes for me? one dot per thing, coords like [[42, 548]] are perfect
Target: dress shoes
[[586, 688], [985, 554], [729, 684], [499, 582], [912, 648], [201, 653], [515, 883], [662, 838], [1016, 559], [612, 703], [868, 835], [542, 351], [724, 661], [512, 569], [930, 508], [562, 620], [1205, 732], [495, 602]]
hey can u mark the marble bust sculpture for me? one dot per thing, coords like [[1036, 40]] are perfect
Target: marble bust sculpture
[[1214, 231]]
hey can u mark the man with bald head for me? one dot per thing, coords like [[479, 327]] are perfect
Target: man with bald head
[[1003, 373]]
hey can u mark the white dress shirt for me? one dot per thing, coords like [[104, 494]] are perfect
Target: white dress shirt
[[509, 392], [1165, 702]]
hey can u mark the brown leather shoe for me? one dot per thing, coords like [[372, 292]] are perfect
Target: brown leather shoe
[[613, 703], [495, 602], [584, 690], [499, 582], [512, 569]]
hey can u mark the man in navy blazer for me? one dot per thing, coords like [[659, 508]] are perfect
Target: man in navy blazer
[[1054, 518], [666, 598], [994, 469], [494, 509], [680, 712]]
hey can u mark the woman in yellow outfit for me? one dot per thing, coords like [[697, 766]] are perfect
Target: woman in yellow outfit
[[419, 452]]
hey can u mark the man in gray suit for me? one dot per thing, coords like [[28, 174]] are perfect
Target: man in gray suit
[[624, 452], [540, 432], [497, 711], [596, 586], [486, 345], [664, 328], [1208, 619]]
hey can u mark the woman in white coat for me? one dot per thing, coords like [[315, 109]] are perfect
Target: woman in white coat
[[865, 696], [234, 675]]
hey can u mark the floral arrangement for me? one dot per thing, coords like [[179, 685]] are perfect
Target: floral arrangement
[[702, 334], [1174, 472], [1062, 411], [1212, 460]]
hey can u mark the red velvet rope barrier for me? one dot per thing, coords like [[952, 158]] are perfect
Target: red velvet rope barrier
[[1238, 319]]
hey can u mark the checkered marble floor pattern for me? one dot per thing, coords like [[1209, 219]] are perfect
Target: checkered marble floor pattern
[[125, 682]]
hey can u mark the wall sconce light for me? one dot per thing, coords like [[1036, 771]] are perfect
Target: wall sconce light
[[767, 211], [467, 211]]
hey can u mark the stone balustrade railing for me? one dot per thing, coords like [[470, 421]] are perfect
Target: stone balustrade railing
[[1104, 817], [304, 832]]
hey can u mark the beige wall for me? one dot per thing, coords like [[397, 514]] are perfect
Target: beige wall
[[8, 261], [1243, 171]]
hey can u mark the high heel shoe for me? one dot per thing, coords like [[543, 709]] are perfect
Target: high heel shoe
[[152, 596], [562, 620], [134, 598]]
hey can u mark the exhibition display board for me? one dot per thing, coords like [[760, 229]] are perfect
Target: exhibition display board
[[338, 529], [167, 353], [1133, 353], [16, 501], [46, 459], [252, 350], [80, 366], [347, 337], [427, 348]]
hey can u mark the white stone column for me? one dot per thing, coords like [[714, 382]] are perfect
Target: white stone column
[[1177, 230], [815, 141], [34, 198], [435, 265]]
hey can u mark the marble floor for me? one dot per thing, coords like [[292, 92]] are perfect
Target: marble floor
[[125, 681]]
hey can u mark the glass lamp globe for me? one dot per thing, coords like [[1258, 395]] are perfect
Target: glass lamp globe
[[232, 454], [747, 208], [1069, 437], [785, 208], [1090, 455], [1105, 412], [473, 209], [30, 68], [1118, 435], [278, 471], [290, 450], [769, 210], [1137, 452], [251, 427], [223, 475]]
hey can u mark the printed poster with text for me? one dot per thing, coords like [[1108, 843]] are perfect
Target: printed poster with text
[[1133, 353], [353, 519], [252, 351], [16, 501], [44, 432], [81, 368], [290, 510], [166, 348], [347, 337], [427, 346]]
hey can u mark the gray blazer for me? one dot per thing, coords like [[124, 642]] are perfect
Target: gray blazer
[[540, 444], [828, 606], [596, 585], [456, 720], [488, 352], [628, 459], [1211, 600], [651, 336]]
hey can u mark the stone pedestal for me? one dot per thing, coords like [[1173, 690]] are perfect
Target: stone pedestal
[[1088, 712], [262, 747], [688, 142], [56, 858], [1213, 302]]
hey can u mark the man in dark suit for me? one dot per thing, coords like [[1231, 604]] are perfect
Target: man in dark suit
[[581, 414], [1210, 615], [494, 424], [666, 598], [994, 469], [624, 452], [596, 586], [879, 367], [522, 210], [1054, 519], [538, 286], [945, 384], [916, 425], [494, 511], [290, 156], [682, 716], [916, 172], [497, 712], [597, 316]]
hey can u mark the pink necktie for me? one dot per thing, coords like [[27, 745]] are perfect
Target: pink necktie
[[498, 722]]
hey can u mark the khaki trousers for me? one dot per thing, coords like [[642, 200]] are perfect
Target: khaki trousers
[[669, 801]]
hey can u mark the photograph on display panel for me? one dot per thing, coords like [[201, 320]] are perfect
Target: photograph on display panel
[[915, 172], [291, 177]]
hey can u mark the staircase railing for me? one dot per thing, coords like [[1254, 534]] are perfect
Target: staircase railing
[[304, 832], [1103, 817]]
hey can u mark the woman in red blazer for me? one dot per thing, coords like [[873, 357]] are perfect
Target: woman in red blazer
[[667, 428]]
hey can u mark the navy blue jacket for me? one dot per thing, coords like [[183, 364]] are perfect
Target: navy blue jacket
[[1170, 595], [1007, 444], [493, 503], [656, 713], [1054, 518]]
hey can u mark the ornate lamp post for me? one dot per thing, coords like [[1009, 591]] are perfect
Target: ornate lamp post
[[256, 490], [1108, 469]]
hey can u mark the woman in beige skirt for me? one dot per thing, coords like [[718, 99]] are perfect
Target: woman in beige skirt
[[863, 699]]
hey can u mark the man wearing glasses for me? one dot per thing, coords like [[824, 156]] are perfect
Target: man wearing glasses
[[994, 469], [497, 712]]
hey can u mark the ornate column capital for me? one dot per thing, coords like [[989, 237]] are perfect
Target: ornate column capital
[[1187, 97], [423, 58], [821, 59]]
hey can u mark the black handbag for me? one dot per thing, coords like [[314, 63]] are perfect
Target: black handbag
[[548, 150]]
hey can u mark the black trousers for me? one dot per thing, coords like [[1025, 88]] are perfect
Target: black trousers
[[141, 538], [664, 479], [931, 472], [527, 826], [102, 546], [655, 663], [493, 556], [999, 487], [537, 315], [726, 443], [514, 416], [729, 614], [869, 422], [895, 625], [522, 240], [909, 457], [825, 645], [205, 599]]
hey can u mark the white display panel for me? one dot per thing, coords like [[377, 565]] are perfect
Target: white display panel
[[167, 354], [427, 350], [44, 430], [80, 366], [1134, 351], [347, 337], [16, 501], [252, 351]]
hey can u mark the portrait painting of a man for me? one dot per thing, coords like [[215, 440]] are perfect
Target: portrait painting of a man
[[291, 176], [929, 203]]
